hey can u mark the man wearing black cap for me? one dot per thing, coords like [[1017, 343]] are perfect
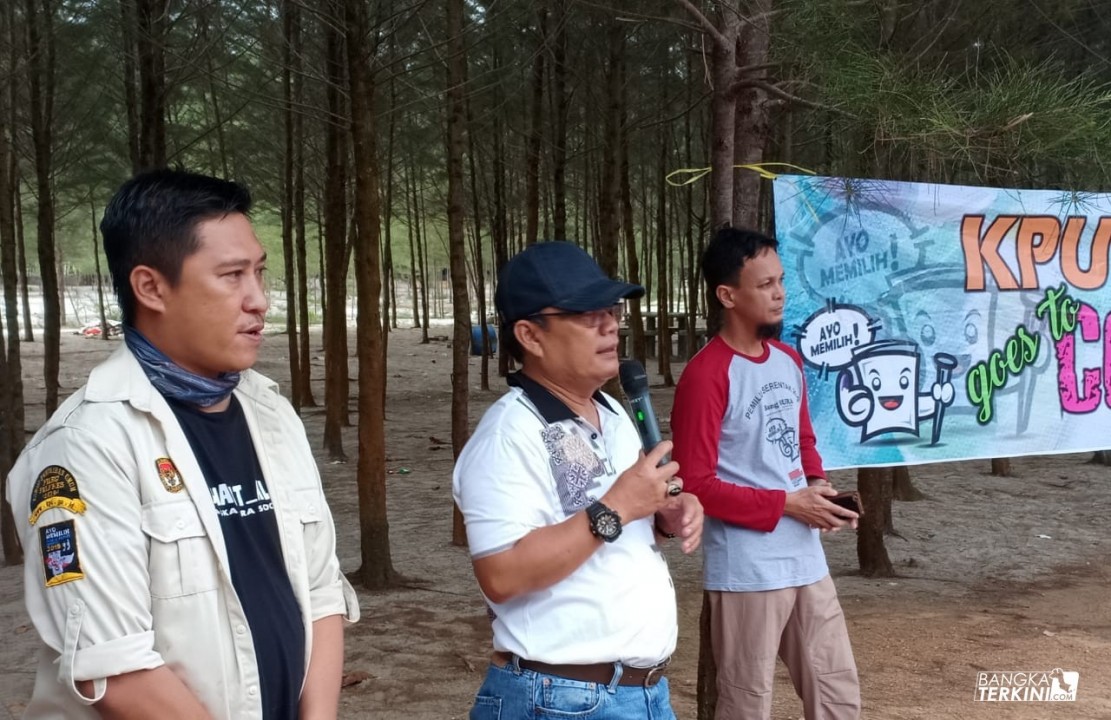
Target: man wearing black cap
[[564, 514]]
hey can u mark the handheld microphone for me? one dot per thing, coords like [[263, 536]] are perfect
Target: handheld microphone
[[634, 381]]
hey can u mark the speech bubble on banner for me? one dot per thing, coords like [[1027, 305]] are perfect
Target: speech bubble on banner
[[844, 237], [826, 339], [845, 257]]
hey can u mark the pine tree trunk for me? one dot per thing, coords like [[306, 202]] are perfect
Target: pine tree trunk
[[152, 17], [40, 70], [9, 164], [410, 203], [460, 302], [60, 262], [646, 249], [751, 118], [903, 487], [609, 218], [585, 212], [21, 250], [422, 256], [288, 12], [321, 273], [693, 266], [11, 373], [874, 485], [203, 21], [102, 315], [9, 536], [389, 299], [723, 113], [635, 323], [535, 133], [393, 297], [376, 570], [663, 264], [335, 248], [479, 263], [128, 53], [498, 223], [301, 235], [559, 124]]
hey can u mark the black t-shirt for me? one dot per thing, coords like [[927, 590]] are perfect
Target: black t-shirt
[[222, 444]]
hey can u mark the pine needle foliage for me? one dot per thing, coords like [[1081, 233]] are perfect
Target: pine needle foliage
[[936, 93]]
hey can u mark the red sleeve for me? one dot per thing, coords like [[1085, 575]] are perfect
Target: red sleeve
[[808, 443], [701, 398]]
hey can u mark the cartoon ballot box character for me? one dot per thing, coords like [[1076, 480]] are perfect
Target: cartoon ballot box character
[[878, 391]]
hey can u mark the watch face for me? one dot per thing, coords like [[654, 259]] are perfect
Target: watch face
[[604, 523], [607, 525]]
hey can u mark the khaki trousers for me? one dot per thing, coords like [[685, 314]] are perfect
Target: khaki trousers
[[806, 628]]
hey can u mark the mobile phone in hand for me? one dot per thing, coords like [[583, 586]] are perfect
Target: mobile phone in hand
[[848, 500]]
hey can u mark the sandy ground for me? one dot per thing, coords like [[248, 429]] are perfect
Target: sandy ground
[[995, 574]]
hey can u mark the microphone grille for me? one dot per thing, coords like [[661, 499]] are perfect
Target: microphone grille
[[634, 380]]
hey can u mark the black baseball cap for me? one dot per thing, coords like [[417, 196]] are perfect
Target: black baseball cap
[[556, 274]]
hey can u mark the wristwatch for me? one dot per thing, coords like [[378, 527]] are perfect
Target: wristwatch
[[604, 522]]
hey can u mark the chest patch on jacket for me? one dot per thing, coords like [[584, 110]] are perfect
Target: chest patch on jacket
[[168, 474]]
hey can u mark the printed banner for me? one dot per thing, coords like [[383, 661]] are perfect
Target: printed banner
[[940, 322]]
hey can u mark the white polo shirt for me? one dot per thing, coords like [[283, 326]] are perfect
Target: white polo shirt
[[530, 463]]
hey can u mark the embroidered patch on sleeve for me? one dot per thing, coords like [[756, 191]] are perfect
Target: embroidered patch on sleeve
[[55, 488], [60, 559], [168, 474]]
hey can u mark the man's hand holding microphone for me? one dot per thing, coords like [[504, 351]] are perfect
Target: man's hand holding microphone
[[651, 485]]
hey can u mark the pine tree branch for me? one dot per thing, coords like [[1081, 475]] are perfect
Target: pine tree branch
[[782, 94], [704, 22]]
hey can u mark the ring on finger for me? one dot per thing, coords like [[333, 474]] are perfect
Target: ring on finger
[[674, 489]]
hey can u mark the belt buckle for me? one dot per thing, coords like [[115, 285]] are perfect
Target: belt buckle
[[655, 673]]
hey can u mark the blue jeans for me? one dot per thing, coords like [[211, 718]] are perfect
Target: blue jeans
[[513, 693]]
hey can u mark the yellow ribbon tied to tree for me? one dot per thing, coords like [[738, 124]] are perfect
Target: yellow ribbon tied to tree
[[761, 169]]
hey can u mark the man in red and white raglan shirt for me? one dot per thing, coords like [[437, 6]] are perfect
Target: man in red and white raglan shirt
[[743, 437]]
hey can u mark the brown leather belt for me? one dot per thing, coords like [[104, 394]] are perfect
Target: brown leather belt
[[601, 673]]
